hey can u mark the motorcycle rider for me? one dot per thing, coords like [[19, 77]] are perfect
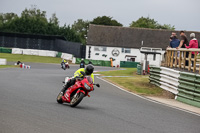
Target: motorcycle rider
[[82, 64], [88, 71], [63, 61]]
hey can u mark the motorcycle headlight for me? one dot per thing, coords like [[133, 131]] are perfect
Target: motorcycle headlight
[[87, 86]]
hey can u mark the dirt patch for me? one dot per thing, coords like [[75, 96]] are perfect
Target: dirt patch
[[167, 94]]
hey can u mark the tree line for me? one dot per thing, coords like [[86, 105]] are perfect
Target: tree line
[[34, 21]]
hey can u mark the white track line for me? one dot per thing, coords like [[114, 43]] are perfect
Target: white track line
[[150, 99]]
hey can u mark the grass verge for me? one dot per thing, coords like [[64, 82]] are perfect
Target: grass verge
[[7, 66], [29, 58], [138, 84]]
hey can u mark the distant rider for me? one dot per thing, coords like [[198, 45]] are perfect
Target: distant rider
[[88, 71], [82, 64]]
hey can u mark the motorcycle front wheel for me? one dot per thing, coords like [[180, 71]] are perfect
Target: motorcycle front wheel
[[59, 98], [77, 98]]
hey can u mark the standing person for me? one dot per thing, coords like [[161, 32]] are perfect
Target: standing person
[[173, 34], [193, 44], [184, 41], [111, 62], [82, 64], [174, 43]]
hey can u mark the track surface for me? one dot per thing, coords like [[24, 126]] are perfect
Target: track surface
[[28, 105]]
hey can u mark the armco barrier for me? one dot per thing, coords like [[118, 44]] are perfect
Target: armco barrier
[[17, 51], [67, 56], [3, 61], [5, 50], [34, 52], [189, 89], [94, 62], [128, 64], [186, 86], [59, 54]]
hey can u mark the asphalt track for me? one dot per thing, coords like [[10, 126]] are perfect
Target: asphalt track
[[28, 105]]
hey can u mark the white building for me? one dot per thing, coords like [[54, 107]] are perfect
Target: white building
[[124, 44]]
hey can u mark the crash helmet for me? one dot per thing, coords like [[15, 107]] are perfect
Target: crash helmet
[[89, 69]]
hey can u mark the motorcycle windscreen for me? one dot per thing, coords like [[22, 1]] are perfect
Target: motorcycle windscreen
[[90, 80]]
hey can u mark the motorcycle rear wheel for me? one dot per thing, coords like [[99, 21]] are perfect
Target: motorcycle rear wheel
[[77, 98], [59, 98]]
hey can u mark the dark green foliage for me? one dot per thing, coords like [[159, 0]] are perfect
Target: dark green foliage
[[81, 28], [34, 21], [104, 20], [150, 23]]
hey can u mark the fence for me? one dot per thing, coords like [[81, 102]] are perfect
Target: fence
[[186, 86], [41, 42], [5, 50], [128, 64], [94, 62], [183, 58]]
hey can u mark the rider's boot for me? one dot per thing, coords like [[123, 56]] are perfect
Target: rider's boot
[[65, 87]]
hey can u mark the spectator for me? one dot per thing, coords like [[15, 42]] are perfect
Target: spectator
[[174, 41], [184, 41], [174, 34], [193, 44]]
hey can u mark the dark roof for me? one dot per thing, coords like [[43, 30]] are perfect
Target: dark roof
[[24, 35], [114, 36]]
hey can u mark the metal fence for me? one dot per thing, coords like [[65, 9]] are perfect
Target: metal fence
[[42, 42]]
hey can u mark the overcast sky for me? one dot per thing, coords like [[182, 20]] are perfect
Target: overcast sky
[[183, 14]]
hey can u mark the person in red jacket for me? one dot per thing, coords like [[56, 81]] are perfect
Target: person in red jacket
[[193, 44]]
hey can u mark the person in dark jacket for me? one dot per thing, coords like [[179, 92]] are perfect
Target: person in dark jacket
[[82, 64], [174, 42], [184, 41]]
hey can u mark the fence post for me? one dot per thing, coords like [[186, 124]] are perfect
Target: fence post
[[189, 59], [172, 59], [194, 62], [175, 58], [180, 59], [184, 59], [169, 56]]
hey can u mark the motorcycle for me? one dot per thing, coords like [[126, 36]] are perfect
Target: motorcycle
[[75, 94], [64, 65], [82, 65]]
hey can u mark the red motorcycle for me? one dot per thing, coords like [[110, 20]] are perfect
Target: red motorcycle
[[77, 92]]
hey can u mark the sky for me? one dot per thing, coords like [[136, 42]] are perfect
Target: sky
[[183, 14]]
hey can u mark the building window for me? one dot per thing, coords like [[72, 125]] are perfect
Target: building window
[[100, 49], [126, 50]]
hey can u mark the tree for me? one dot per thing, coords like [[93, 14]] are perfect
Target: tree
[[81, 28], [166, 26], [150, 23], [34, 21], [105, 20]]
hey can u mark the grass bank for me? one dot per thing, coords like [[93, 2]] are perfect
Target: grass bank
[[29, 58], [7, 66], [136, 83]]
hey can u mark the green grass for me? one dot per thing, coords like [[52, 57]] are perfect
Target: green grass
[[7, 66], [137, 83], [29, 58], [127, 72]]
